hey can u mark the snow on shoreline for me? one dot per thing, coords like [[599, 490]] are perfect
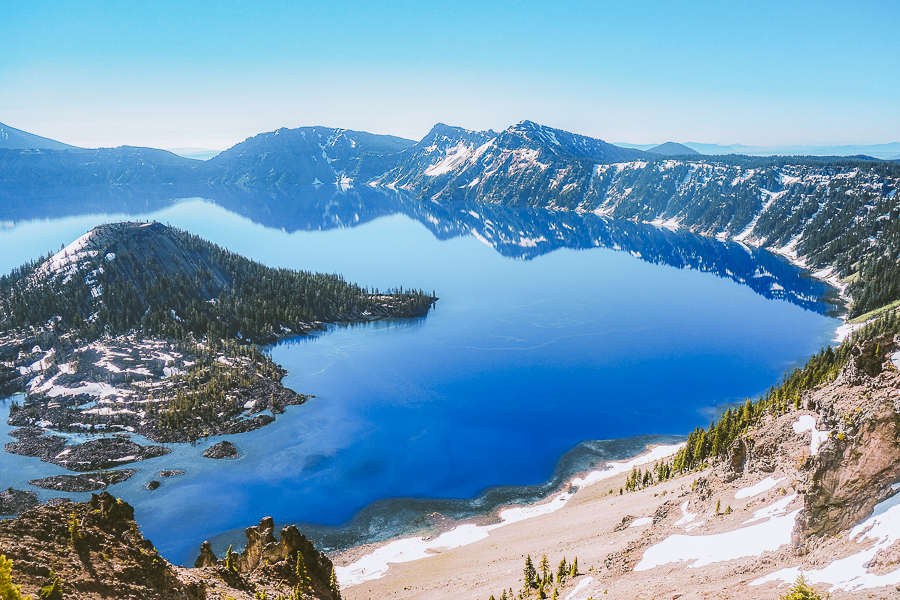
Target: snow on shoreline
[[376, 564]]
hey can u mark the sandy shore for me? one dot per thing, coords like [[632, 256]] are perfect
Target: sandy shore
[[665, 541]]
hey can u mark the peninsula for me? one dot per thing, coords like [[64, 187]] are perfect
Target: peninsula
[[140, 328]]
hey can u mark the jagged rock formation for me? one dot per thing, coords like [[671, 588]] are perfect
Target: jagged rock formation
[[854, 463], [97, 551], [266, 557]]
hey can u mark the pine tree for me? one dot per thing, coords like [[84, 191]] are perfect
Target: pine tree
[[545, 571], [229, 560], [74, 531], [53, 590], [334, 586], [304, 583], [574, 571], [562, 571], [530, 574]]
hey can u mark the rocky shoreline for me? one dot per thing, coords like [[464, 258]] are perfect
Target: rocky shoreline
[[114, 388], [85, 482], [15, 502]]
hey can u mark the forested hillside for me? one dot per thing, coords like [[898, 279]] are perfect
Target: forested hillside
[[165, 282]]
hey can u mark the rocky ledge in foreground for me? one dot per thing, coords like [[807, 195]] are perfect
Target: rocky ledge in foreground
[[95, 550]]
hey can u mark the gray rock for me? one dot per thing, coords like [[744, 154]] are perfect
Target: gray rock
[[221, 450]]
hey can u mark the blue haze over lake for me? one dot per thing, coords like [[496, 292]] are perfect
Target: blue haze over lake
[[528, 353]]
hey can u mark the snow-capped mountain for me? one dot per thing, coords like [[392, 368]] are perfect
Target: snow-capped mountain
[[525, 165]]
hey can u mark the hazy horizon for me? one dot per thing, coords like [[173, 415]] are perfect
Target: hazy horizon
[[209, 75]]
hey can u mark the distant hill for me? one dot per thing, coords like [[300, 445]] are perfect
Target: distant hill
[[672, 149], [13, 138], [305, 156], [879, 151], [195, 153]]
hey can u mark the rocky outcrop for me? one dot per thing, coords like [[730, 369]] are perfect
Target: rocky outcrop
[[95, 548], [84, 482], [15, 502], [97, 551], [223, 449], [97, 454], [859, 462]]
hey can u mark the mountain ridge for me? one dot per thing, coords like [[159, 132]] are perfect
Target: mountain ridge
[[13, 138], [819, 212]]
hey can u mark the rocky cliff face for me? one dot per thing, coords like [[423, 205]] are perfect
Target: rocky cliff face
[[97, 551], [851, 461], [858, 463]]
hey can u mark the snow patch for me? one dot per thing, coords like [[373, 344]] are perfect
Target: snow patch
[[454, 158], [686, 516], [808, 423], [641, 522], [581, 585], [773, 510], [851, 573], [763, 486], [702, 550]]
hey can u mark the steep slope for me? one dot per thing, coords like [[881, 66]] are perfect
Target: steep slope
[[525, 165], [672, 149], [95, 549], [838, 217], [10, 137]]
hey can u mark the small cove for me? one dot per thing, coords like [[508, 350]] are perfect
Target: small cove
[[520, 362]]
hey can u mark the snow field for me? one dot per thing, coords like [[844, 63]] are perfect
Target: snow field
[[702, 550]]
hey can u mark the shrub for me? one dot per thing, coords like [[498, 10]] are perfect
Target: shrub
[[802, 591], [8, 591]]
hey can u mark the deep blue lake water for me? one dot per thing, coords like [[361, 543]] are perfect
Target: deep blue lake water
[[543, 338]]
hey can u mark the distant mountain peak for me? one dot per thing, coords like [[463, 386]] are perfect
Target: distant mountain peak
[[672, 149]]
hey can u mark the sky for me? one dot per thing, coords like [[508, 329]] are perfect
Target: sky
[[210, 74]]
